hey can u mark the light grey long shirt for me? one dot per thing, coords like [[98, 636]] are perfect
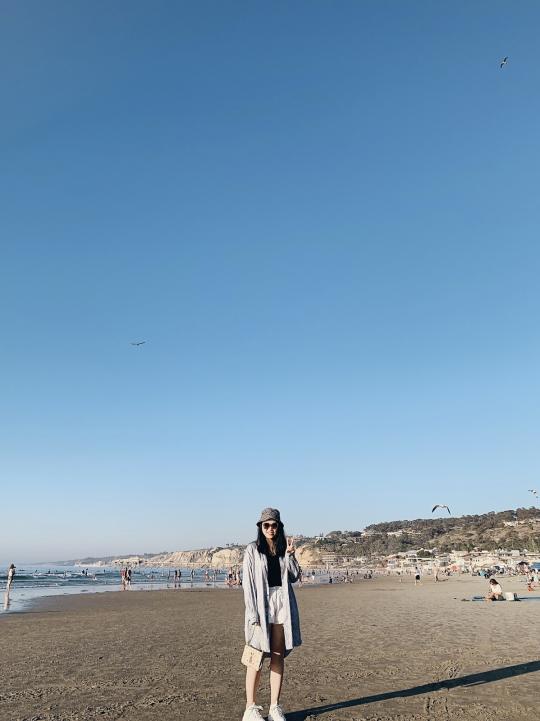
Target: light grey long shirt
[[256, 595]]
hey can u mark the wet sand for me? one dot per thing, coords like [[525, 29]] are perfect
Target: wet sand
[[375, 650]]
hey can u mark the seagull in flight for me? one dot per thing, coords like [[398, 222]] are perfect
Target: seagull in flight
[[533, 491], [440, 505], [504, 61], [138, 342]]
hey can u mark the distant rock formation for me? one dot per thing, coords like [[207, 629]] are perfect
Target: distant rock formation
[[200, 558], [308, 555], [517, 529]]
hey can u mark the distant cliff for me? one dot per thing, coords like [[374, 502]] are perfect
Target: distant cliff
[[307, 554], [512, 529], [198, 558], [204, 557]]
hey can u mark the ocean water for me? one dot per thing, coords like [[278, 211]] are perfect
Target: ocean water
[[37, 581], [34, 582]]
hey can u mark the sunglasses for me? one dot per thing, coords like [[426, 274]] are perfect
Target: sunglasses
[[266, 526]]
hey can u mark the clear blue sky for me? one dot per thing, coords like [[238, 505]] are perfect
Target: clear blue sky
[[324, 220]]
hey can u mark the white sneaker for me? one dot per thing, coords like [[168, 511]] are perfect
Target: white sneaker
[[276, 713], [253, 713]]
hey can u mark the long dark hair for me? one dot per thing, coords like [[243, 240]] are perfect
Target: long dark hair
[[281, 541]]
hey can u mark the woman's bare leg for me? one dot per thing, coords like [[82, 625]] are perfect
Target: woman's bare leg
[[277, 660], [252, 684]]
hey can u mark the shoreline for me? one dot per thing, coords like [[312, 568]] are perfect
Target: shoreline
[[28, 600], [31, 601], [23, 596]]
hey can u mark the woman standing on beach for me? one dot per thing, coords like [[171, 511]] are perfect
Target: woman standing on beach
[[272, 624]]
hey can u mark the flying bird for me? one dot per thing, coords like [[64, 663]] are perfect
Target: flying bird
[[504, 61], [440, 505], [533, 491], [138, 342]]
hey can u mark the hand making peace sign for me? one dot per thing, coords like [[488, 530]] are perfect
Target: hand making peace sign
[[291, 548]]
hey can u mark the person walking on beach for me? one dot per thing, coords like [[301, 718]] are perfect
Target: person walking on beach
[[272, 622], [10, 577]]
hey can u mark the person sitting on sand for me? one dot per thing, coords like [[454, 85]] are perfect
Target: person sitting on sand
[[272, 623], [495, 591]]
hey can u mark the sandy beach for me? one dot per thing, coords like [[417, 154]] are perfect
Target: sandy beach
[[375, 650]]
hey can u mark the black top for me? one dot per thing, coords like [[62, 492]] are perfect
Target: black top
[[274, 570]]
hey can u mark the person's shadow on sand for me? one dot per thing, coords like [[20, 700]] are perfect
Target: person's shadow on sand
[[473, 679]]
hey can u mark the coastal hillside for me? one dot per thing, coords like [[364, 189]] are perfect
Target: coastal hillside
[[512, 529], [217, 557]]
